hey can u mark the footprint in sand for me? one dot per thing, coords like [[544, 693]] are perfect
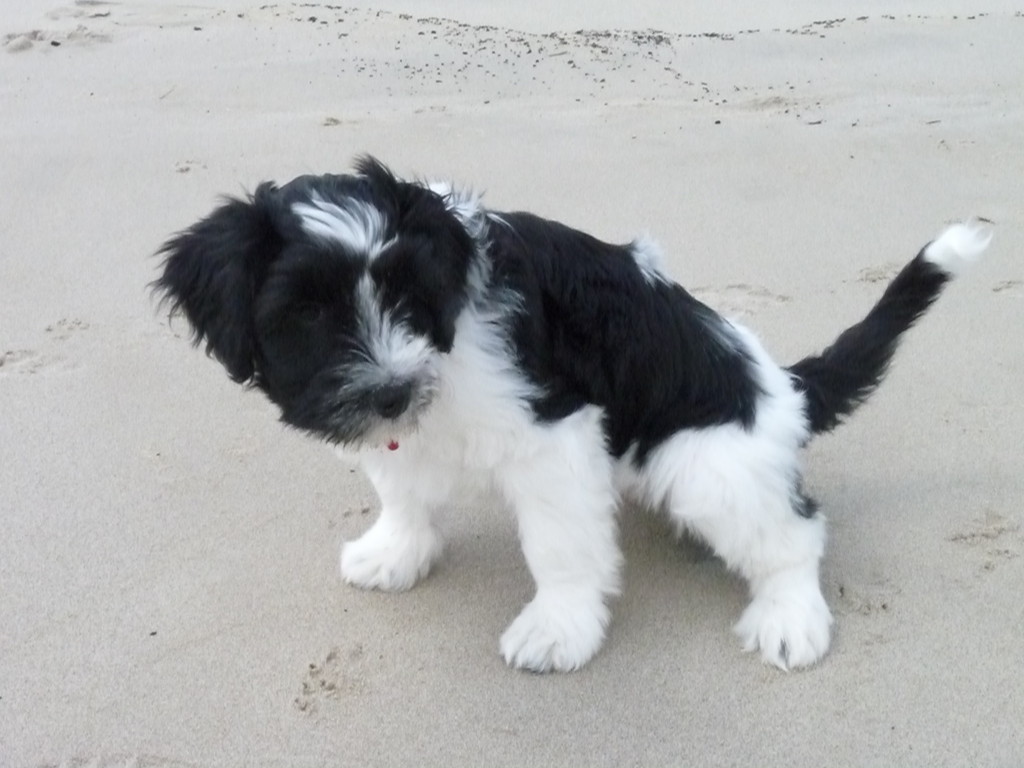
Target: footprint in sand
[[21, 361], [65, 328], [1012, 288], [740, 300], [866, 599], [30, 361], [882, 274], [997, 537], [38, 38], [337, 675], [82, 34], [187, 166]]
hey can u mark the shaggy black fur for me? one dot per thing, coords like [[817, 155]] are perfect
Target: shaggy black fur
[[586, 325]]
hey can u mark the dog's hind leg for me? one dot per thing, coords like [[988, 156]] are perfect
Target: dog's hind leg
[[560, 487], [739, 492], [788, 619], [401, 546]]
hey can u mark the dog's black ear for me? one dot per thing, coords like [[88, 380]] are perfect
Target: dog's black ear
[[381, 178], [212, 271]]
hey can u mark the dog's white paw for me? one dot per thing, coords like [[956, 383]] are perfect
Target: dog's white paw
[[390, 558], [789, 624], [557, 631]]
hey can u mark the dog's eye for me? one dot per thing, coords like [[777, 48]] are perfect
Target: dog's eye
[[309, 312]]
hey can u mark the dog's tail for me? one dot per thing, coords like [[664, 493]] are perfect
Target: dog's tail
[[844, 375]]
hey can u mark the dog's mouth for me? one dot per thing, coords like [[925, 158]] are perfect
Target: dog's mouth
[[376, 434], [354, 428], [391, 402], [377, 418], [362, 405]]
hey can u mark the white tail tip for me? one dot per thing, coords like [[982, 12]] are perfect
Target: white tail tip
[[959, 246]]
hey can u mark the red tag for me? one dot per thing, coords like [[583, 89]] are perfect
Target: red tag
[[393, 446]]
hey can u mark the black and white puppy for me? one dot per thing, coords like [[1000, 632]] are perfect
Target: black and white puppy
[[436, 340]]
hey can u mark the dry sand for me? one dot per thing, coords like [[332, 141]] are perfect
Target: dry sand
[[169, 592]]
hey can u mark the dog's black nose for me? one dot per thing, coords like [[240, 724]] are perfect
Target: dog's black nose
[[391, 400]]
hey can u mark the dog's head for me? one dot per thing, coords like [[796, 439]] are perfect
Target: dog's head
[[335, 295]]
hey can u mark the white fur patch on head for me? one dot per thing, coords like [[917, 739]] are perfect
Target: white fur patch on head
[[388, 355], [357, 225], [959, 246], [390, 346]]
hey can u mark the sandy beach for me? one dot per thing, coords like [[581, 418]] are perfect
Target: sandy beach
[[169, 586]]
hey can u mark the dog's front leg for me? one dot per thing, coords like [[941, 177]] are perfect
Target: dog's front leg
[[402, 545], [562, 492]]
